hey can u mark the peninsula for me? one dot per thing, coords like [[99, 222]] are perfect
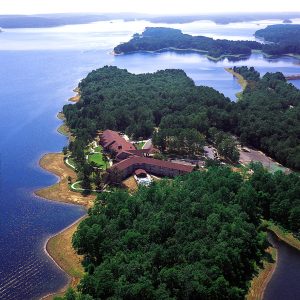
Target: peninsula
[[155, 39], [281, 39], [154, 227]]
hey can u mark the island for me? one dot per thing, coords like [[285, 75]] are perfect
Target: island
[[155, 39], [281, 39], [287, 21]]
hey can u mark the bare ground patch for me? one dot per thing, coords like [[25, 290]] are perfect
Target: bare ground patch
[[54, 163], [60, 249], [258, 156]]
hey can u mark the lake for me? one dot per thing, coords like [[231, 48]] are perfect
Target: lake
[[39, 69], [285, 280]]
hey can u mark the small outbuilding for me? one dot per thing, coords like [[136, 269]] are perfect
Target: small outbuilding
[[140, 173]]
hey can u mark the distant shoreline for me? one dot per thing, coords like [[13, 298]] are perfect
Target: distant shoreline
[[170, 49], [204, 52]]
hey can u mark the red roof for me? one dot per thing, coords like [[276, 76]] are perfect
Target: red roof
[[112, 140], [124, 164], [140, 172]]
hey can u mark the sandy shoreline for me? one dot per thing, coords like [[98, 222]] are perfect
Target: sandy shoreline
[[72, 280], [75, 98], [59, 246], [260, 282]]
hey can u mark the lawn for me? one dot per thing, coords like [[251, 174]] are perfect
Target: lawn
[[97, 158], [140, 145]]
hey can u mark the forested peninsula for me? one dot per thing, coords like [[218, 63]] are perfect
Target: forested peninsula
[[281, 38], [199, 236], [159, 39], [267, 117], [278, 39]]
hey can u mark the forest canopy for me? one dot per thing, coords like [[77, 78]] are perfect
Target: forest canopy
[[196, 237], [160, 38], [267, 117], [284, 38]]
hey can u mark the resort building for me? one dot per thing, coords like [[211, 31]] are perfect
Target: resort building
[[131, 161]]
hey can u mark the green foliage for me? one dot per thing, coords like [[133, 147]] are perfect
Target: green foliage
[[278, 196], [268, 118], [158, 38], [249, 74], [225, 144], [180, 141], [285, 39], [115, 99], [196, 237]]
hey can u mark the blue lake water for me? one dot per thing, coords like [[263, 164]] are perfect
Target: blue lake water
[[39, 69]]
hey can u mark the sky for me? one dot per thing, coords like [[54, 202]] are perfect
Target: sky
[[147, 6]]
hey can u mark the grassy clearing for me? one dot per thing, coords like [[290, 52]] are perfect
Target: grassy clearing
[[60, 191], [61, 116], [139, 145], [98, 158], [77, 185]]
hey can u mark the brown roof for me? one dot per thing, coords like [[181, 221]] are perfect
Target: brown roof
[[115, 142], [124, 164], [140, 172]]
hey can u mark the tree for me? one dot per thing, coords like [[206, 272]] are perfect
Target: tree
[[294, 218], [65, 150], [98, 180], [196, 237], [115, 176], [69, 179]]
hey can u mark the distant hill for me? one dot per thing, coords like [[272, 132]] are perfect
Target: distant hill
[[46, 21], [224, 18], [52, 20]]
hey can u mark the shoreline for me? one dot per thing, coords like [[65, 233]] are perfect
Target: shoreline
[[284, 235], [72, 280], [260, 281], [241, 81], [59, 246], [75, 98], [204, 52]]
